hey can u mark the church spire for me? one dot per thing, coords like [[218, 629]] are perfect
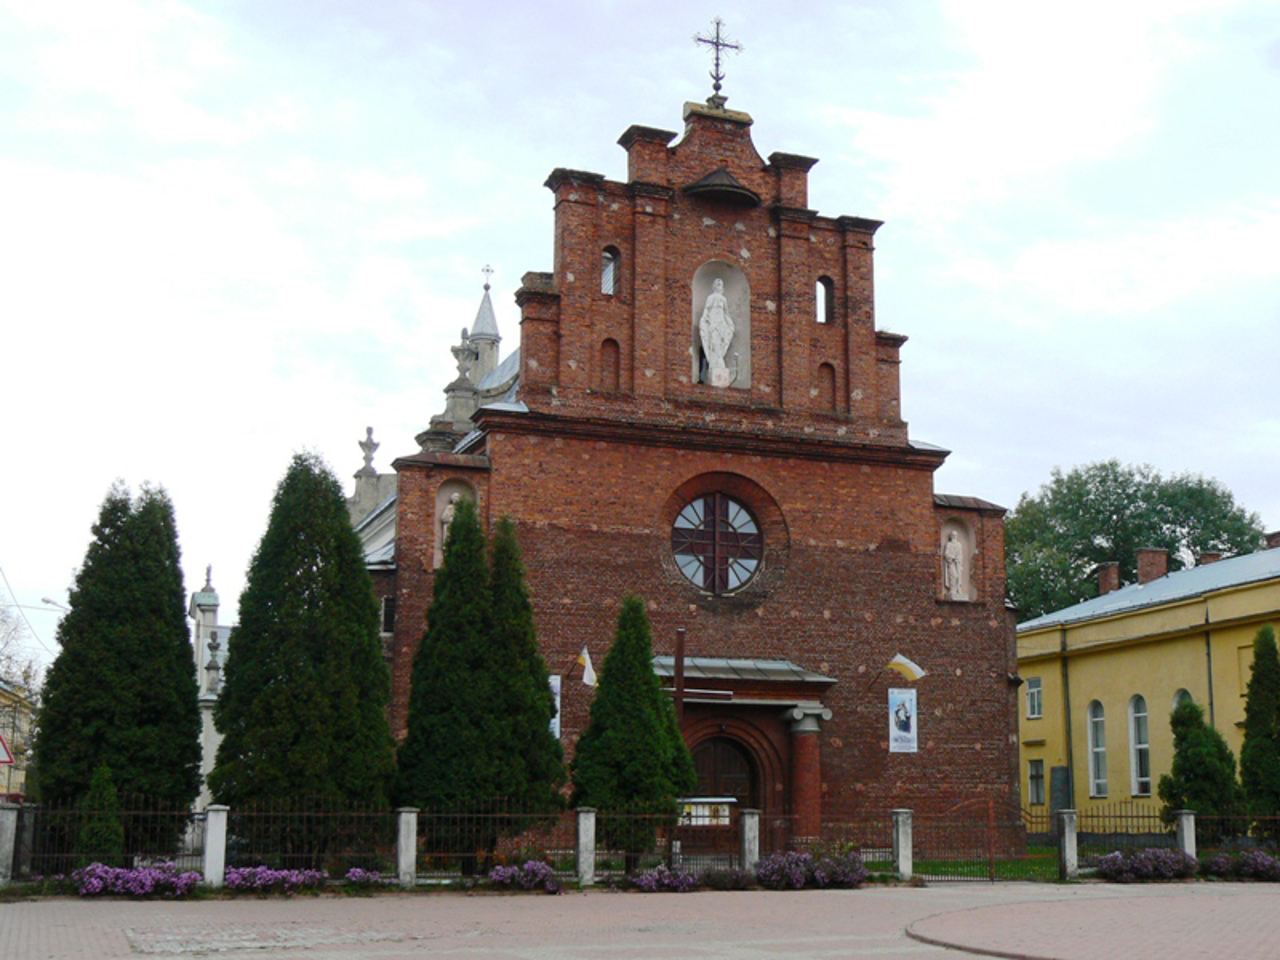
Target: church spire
[[486, 324]]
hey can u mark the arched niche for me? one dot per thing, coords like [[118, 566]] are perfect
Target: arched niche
[[956, 548], [444, 498], [737, 303]]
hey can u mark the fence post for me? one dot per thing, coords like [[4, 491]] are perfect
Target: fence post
[[1186, 831], [586, 846], [902, 843], [215, 844], [750, 853], [407, 846], [1068, 857], [8, 840]]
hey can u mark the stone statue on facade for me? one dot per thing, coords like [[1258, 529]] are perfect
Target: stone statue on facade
[[716, 331], [446, 517], [953, 580]]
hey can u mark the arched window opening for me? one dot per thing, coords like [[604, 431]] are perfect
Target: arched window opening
[[717, 543], [827, 388], [1139, 748], [1181, 697], [824, 300], [1097, 751], [610, 271], [610, 366]]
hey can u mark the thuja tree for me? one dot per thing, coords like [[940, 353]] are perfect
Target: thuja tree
[[1203, 775], [631, 762], [480, 708], [101, 836], [303, 705], [123, 686], [1260, 753]]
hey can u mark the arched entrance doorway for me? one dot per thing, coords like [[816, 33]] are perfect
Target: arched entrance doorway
[[726, 769]]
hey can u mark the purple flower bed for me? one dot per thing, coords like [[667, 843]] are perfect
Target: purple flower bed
[[158, 880], [662, 879], [1250, 865], [1139, 866], [796, 870], [267, 880], [843, 870], [531, 875], [359, 877]]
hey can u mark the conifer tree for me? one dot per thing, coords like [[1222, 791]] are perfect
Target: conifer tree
[[1260, 753], [302, 709], [631, 758], [448, 757], [1203, 775], [122, 690], [102, 830], [535, 760]]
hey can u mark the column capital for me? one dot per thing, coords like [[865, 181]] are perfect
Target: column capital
[[804, 717]]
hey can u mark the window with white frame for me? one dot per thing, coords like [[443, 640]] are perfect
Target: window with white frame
[[1097, 751], [1035, 699], [1035, 782], [1139, 747]]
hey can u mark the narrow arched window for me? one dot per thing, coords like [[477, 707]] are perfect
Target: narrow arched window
[[610, 271], [609, 366], [1139, 748], [824, 300], [1097, 751], [1181, 697], [826, 388]]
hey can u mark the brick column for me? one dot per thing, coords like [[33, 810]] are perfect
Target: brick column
[[806, 769]]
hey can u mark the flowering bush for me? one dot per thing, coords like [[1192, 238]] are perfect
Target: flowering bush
[[267, 880], [840, 870], [1257, 865], [532, 875], [1137, 866], [662, 879], [732, 879], [159, 880], [358, 877], [785, 871]]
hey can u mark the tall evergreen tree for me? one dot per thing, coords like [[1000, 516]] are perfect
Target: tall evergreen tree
[[631, 757], [535, 760], [303, 705], [122, 690], [1203, 775], [1260, 753]]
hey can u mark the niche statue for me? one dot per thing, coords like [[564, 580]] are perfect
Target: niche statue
[[716, 331]]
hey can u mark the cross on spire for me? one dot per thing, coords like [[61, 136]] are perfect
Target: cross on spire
[[488, 272], [719, 43]]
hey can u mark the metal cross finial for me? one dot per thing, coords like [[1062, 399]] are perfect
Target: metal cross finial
[[719, 43], [488, 272]]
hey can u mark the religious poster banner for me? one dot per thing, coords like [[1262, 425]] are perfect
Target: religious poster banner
[[902, 721], [555, 692]]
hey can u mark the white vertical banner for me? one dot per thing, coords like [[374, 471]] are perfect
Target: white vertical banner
[[555, 692], [902, 721]]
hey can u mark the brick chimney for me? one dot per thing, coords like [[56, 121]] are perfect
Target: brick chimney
[[1108, 577], [1153, 564], [1209, 556], [1273, 539]]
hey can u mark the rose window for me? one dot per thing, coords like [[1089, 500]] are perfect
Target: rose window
[[716, 543]]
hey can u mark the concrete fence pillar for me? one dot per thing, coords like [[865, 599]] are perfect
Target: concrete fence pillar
[[749, 820], [8, 840], [1186, 831], [407, 846], [1068, 855], [215, 845], [902, 841], [586, 846]]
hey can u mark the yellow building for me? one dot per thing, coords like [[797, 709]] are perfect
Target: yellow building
[[1100, 678], [15, 728]]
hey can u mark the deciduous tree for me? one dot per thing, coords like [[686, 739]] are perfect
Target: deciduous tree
[[1107, 511]]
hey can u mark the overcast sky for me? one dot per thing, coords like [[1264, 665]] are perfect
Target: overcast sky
[[231, 231]]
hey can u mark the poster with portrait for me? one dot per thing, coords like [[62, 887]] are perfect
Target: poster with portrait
[[902, 721], [555, 692]]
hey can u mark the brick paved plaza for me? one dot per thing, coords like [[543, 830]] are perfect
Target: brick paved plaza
[[1022, 920]]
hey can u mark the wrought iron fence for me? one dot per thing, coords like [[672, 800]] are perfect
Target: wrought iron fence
[[458, 843], [57, 838], [312, 834], [982, 839], [1124, 825], [1238, 834]]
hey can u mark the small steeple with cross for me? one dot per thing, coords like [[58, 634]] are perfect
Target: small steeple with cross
[[719, 43]]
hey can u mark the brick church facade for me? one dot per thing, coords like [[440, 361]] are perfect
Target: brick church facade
[[703, 412]]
